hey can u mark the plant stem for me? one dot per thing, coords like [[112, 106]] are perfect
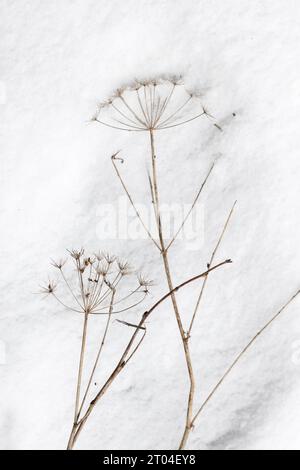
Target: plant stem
[[209, 264], [113, 158], [79, 377], [241, 354], [126, 356], [82, 351], [98, 354], [184, 337]]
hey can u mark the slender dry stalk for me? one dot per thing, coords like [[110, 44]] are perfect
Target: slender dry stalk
[[128, 353], [209, 264], [164, 253], [242, 353], [150, 106], [149, 110], [79, 377], [95, 291]]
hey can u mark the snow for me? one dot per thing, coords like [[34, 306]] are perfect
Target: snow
[[59, 59]]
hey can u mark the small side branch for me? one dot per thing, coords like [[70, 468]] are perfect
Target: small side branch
[[99, 352], [241, 354], [192, 207], [113, 159], [209, 264], [128, 353], [79, 377]]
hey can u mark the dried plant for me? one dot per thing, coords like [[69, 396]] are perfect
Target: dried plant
[[93, 288], [151, 106], [94, 291]]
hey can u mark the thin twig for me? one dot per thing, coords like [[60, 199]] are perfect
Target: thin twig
[[125, 357], [99, 352], [192, 206], [79, 377], [241, 354], [113, 159], [209, 264], [164, 253]]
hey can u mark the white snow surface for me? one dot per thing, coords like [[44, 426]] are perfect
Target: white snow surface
[[58, 60]]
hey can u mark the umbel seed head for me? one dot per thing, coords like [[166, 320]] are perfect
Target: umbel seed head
[[152, 104], [93, 284]]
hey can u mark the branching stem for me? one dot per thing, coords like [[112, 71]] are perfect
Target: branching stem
[[242, 353], [127, 355]]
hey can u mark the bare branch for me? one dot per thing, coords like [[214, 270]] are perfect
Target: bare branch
[[81, 360], [241, 354], [209, 264], [192, 207], [98, 354], [126, 356], [113, 159]]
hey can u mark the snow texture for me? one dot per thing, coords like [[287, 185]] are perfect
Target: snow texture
[[58, 60]]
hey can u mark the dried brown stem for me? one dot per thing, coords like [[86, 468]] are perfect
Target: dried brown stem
[[81, 360], [209, 264], [99, 352], [164, 252], [241, 354], [127, 355], [113, 159], [192, 207]]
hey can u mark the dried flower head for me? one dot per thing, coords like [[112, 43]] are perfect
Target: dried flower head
[[152, 104], [59, 264], [49, 287], [109, 258], [76, 254], [102, 269], [124, 267], [99, 256], [88, 261], [95, 287], [144, 282]]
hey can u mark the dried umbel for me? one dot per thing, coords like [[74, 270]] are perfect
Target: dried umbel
[[155, 104], [94, 284], [94, 291]]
